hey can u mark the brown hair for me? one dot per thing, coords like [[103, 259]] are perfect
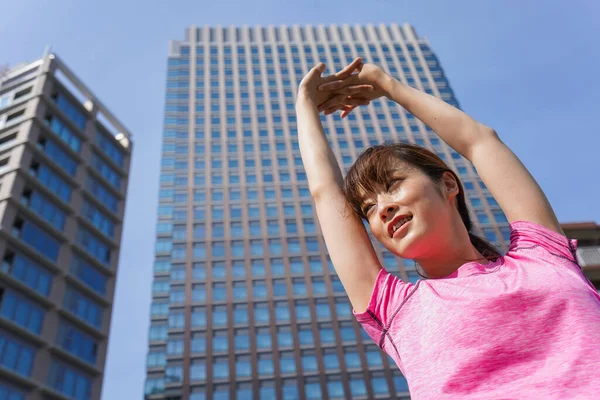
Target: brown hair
[[374, 168]]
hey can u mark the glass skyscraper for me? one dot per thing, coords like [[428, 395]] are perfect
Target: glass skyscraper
[[245, 301], [64, 165]]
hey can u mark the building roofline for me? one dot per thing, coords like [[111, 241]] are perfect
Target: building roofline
[[85, 91], [580, 225]]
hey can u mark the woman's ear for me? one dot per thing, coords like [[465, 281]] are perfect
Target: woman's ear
[[450, 185]]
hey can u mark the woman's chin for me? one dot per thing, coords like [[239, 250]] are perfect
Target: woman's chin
[[407, 246]]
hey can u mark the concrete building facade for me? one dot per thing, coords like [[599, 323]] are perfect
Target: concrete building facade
[[245, 301], [64, 164]]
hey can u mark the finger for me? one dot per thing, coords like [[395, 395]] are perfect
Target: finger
[[338, 84], [356, 101], [356, 89], [345, 72], [333, 109], [317, 69], [332, 102], [349, 69], [347, 110]]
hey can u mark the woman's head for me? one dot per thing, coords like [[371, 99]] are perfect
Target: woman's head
[[411, 199]]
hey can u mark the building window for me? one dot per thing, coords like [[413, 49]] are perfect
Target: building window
[[30, 273], [335, 388], [323, 310], [93, 245], [294, 246], [158, 332], [263, 338], [318, 283], [106, 171], [379, 384], [100, 220], [302, 310], [36, 237], [259, 289], [77, 342], [173, 373], [313, 389], [219, 316], [299, 287], [70, 110], [198, 370], [275, 246], [238, 269], [176, 320], [500, 217], [60, 157], [178, 274], [219, 291], [352, 358], [256, 247], [83, 307], [240, 314], [70, 381], [483, 218], [373, 356], [198, 343], [342, 308], [99, 191], [357, 386], [220, 342], [22, 311], [265, 364], [287, 362], [10, 392], [326, 333], [400, 383], [109, 148], [177, 295], [15, 355], [221, 368], [61, 130], [154, 386], [198, 317], [290, 389], [261, 313], [282, 311], [243, 368]]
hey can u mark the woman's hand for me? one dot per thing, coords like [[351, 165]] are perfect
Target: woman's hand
[[308, 88], [370, 83]]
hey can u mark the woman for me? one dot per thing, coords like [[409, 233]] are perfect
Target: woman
[[482, 325]]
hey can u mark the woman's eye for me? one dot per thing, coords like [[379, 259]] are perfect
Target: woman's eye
[[392, 183], [367, 208]]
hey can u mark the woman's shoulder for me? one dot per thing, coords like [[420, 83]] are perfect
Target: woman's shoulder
[[527, 235]]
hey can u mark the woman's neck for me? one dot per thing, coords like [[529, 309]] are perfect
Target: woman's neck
[[451, 252]]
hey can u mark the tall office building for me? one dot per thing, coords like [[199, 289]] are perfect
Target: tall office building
[[245, 302], [64, 163]]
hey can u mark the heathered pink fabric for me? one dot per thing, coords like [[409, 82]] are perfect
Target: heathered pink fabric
[[526, 326]]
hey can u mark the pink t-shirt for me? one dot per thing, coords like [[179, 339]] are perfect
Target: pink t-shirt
[[526, 326]]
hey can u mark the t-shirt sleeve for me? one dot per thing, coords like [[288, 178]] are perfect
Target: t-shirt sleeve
[[527, 235], [389, 293]]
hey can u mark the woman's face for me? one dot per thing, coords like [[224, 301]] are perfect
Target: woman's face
[[410, 214]]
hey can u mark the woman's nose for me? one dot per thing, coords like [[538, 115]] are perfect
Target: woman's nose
[[386, 210]]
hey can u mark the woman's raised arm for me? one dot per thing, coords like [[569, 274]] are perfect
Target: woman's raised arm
[[511, 184], [347, 241]]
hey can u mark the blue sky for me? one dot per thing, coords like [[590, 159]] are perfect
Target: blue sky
[[528, 69]]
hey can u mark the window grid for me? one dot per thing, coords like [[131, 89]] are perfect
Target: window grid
[[265, 262]]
